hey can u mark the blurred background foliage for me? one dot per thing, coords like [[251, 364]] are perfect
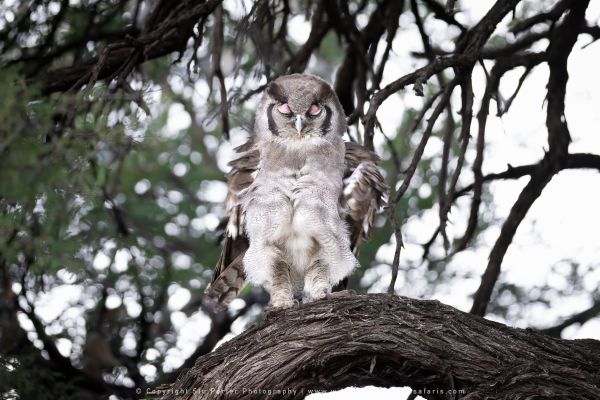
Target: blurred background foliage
[[111, 193]]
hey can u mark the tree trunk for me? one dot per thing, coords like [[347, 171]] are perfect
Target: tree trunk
[[387, 340]]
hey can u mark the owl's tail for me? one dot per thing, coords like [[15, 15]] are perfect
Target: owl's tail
[[228, 277]]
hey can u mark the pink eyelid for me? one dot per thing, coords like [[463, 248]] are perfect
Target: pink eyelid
[[284, 108], [314, 109]]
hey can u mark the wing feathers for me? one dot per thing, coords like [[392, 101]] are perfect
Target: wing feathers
[[364, 191], [228, 275]]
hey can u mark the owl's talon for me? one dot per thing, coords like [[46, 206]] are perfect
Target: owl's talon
[[341, 293], [283, 304], [317, 295], [321, 295]]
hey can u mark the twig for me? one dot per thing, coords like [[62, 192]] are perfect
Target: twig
[[552, 15], [503, 109], [465, 135], [409, 172], [217, 51], [574, 161], [421, 74], [579, 318], [440, 12], [450, 6]]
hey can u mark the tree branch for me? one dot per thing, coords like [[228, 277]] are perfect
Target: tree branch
[[118, 58], [574, 161], [539, 179], [386, 340], [561, 44], [579, 318], [469, 49]]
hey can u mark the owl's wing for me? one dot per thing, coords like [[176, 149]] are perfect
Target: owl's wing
[[228, 275], [364, 191]]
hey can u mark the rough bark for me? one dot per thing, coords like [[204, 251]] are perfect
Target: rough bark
[[387, 340]]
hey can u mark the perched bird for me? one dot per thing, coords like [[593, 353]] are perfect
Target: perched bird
[[300, 199]]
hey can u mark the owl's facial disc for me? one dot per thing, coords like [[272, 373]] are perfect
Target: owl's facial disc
[[300, 107], [302, 119]]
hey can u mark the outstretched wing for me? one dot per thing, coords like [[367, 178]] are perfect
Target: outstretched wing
[[228, 275], [364, 192]]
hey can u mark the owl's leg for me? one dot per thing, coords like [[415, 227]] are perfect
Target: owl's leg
[[282, 291], [316, 281]]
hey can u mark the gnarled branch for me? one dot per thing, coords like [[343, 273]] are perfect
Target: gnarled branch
[[386, 340]]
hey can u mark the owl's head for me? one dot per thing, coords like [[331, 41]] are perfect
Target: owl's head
[[296, 107]]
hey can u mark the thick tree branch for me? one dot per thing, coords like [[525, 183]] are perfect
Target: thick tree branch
[[386, 340], [539, 179]]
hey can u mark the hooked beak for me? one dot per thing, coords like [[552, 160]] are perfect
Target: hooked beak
[[298, 123]]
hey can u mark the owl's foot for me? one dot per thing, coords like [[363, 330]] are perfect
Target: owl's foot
[[283, 303], [341, 293], [317, 294], [282, 292], [316, 281]]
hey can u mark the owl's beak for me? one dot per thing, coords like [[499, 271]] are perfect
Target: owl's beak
[[298, 123]]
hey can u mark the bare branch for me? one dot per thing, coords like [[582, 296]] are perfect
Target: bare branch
[[165, 37], [469, 48], [579, 318], [552, 15], [441, 12], [561, 44], [408, 174], [386, 340], [421, 74], [217, 51], [465, 135]]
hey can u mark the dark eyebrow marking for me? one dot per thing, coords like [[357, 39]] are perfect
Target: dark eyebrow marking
[[327, 121], [276, 92], [271, 121]]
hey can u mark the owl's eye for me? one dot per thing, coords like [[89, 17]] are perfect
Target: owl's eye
[[314, 109], [284, 108]]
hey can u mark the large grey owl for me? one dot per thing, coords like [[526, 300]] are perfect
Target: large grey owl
[[300, 199]]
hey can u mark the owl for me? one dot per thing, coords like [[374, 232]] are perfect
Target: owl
[[300, 199]]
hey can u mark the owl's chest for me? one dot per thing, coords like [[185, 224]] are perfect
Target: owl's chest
[[290, 174], [308, 180]]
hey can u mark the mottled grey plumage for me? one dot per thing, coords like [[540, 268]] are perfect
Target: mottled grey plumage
[[300, 199]]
